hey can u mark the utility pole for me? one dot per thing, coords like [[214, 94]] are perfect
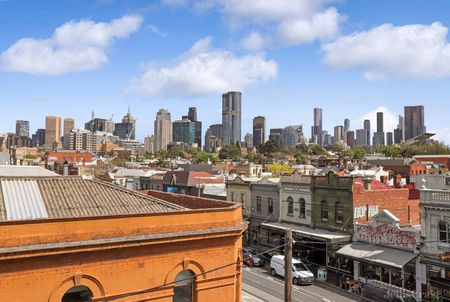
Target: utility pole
[[288, 266]]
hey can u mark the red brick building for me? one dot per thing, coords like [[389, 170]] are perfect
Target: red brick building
[[372, 197]]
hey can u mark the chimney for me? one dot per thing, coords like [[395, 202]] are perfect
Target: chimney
[[367, 184], [397, 180], [65, 168], [383, 179]]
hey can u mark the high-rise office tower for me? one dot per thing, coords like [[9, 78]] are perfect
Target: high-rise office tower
[[338, 134], [192, 116], [69, 125], [399, 131], [248, 140], [346, 125], [316, 129], [163, 129], [350, 138], [389, 139], [130, 120], [184, 131], [213, 137], [231, 117], [149, 144], [292, 135], [378, 137], [38, 139], [361, 137], [259, 131], [367, 128], [276, 135], [52, 131], [414, 121], [22, 128]]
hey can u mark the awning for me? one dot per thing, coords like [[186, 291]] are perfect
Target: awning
[[306, 232], [377, 254]]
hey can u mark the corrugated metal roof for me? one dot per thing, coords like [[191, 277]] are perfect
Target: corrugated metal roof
[[66, 197], [23, 200], [22, 171]]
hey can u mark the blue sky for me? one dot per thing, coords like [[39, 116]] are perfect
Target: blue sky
[[352, 58]]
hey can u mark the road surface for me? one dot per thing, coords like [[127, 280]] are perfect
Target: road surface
[[259, 284]]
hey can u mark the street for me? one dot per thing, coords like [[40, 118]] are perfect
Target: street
[[259, 285]]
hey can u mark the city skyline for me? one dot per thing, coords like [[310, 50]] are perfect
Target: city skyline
[[291, 75]]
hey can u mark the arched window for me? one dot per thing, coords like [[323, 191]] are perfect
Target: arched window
[[184, 287], [324, 210], [443, 232], [290, 202], [302, 209], [339, 212], [78, 294]]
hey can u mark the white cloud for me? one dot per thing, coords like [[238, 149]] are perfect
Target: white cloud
[[285, 22], [74, 46], [409, 51], [202, 71], [390, 120], [154, 29]]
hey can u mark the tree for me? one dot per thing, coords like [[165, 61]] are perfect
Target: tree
[[269, 147], [358, 153], [280, 169], [176, 151], [230, 152]]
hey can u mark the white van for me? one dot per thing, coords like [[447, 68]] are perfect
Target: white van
[[300, 273]]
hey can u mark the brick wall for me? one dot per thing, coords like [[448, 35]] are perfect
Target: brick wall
[[395, 201]]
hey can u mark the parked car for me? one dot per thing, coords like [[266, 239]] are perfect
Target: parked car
[[300, 272], [252, 260]]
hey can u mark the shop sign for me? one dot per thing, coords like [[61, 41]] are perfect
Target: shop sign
[[445, 257]]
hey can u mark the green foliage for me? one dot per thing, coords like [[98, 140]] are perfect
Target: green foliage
[[230, 152], [202, 157], [269, 147], [30, 156], [280, 169], [175, 151], [257, 158]]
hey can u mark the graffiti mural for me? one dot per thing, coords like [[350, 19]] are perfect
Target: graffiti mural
[[386, 235]]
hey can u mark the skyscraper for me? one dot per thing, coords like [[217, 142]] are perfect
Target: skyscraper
[[414, 121], [248, 140], [38, 139], [292, 135], [22, 128], [361, 137], [276, 135], [378, 137], [350, 138], [259, 131], [129, 124], [69, 125], [149, 144], [52, 131], [316, 129], [346, 125], [399, 132], [192, 116], [163, 129], [389, 139], [231, 117], [213, 137], [184, 131], [338, 134], [367, 128]]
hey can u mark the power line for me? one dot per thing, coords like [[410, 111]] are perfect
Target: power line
[[168, 285]]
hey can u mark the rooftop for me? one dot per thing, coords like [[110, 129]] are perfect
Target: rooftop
[[24, 171], [25, 198]]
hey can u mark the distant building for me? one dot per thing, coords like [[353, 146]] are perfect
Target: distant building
[[149, 144], [361, 137], [80, 140], [326, 138], [38, 139], [184, 132], [276, 135], [259, 131], [346, 125], [399, 132], [389, 139], [248, 140], [316, 129], [163, 129], [350, 138], [22, 128], [414, 121], [213, 137], [52, 131], [231, 117], [192, 116], [338, 134], [126, 129], [292, 135], [378, 137], [367, 128]]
